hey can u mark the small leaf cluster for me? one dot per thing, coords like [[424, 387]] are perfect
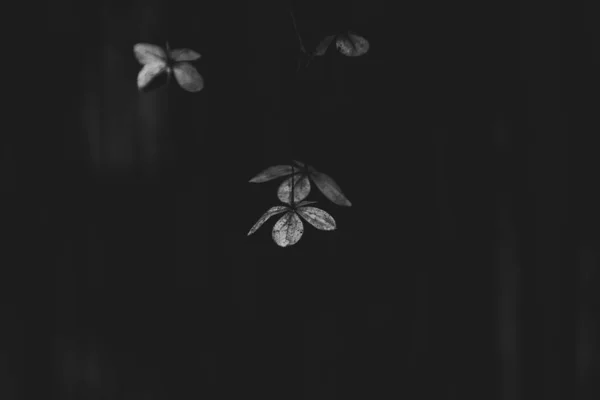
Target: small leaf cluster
[[349, 44], [156, 62], [292, 192]]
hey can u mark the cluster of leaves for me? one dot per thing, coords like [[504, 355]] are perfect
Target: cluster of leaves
[[348, 44], [324, 182], [292, 192], [157, 62]]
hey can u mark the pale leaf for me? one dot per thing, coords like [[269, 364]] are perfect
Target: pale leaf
[[149, 53], [344, 46], [318, 218], [324, 45], [288, 230], [149, 72], [184, 55], [329, 188], [272, 173], [352, 45], [301, 189], [188, 77], [272, 211], [361, 45]]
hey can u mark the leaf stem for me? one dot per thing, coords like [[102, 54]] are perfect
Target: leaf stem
[[296, 30], [292, 193]]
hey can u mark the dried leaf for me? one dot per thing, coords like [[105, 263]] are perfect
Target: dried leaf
[[272, 211], [329, 188], [272, 173], [301, 189], [318, 218], [288, 230], [324, 45]]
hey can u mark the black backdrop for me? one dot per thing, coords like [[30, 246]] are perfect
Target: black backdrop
[[134, 208]]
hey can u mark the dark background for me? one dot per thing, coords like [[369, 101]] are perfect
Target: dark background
[[464, 140]]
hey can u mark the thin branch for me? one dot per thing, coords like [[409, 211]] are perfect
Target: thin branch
[[296, 30]]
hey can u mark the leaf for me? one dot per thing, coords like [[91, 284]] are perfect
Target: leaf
[[329, 188], [272, 211], [149, 72], [288, 230], [352, 45], [344, 46], [301, 189], [153, 59], [324, 45], [361, 45], [149, 53], [184, 55], [272, 173], [318, 218], [188, 77]]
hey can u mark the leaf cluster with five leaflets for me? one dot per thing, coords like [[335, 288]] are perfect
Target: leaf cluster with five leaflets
[[289, 228]]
